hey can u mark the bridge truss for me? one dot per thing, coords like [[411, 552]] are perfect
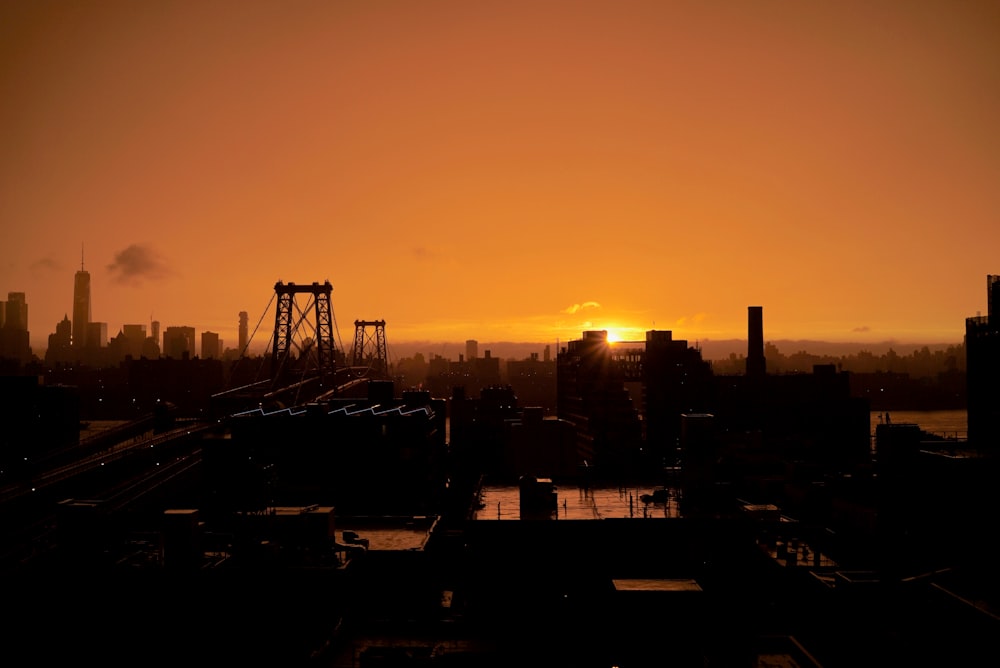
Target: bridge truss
[[369, 348], [303, 335]]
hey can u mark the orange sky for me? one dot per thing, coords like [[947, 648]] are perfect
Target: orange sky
[[515, 171]]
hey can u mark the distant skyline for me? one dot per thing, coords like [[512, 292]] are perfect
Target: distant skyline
[[515, 171]]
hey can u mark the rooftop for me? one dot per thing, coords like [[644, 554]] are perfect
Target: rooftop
[[503, 502], [389, 533]]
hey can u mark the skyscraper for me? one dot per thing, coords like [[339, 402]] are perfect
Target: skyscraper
[[16, 311], [756, 365], [136, 336], [178, 342], [243, 332], [211, 345], [81, 305], [14, 331]]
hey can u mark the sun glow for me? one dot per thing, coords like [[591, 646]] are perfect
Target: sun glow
[[614, 336]]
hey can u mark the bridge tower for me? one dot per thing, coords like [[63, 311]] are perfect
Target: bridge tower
[[294, 332], [369, 349]]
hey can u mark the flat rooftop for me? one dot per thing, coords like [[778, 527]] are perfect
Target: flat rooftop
[[656, 584], [389, 533], [503, 502]]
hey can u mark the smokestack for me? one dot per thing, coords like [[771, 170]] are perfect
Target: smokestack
[[756, 365]]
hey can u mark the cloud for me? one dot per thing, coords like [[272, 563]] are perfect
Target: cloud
[[45, 264], [137, 262], [575, 308], [863, 328], [695, 319], [422, 253]]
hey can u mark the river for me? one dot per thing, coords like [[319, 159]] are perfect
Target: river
[[953, 423]]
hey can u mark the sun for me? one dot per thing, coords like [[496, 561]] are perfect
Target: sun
[[614, 336]]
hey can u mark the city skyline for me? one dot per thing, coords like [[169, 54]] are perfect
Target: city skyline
[[509, 172], [454, 348], [714, 349]]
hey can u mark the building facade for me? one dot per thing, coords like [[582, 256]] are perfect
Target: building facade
[[178, 342], [982, 349], [81, 307]]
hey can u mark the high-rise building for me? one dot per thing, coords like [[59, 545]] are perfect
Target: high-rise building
[[14, 330], [471, 349], [81, 305], [982, 351], [243, 332], [136, 335], [16, 311], [97, 334], [211, 346], [178, 342], [756, 364], [60, 342], [676, 381], [591, 394]]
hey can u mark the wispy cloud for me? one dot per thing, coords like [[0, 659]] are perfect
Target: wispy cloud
[[424, 253], [576, 308], [695, 319], [45, 264], [862, 328], [137, 262]]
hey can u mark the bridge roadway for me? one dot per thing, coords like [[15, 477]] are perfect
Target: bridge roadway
[[116, 475], [121, 465]]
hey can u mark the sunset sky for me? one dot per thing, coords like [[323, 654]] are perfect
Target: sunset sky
[[505, 171]]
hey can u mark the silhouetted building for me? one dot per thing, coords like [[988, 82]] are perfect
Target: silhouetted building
[[471, 349], [14, 336], [473, 375], [211, 346], [117, 348], [477, 427], [534, 381], [982, 349], [81, 306], [914, 535], [178, 342], [756, 364], [485, 369], [136, 337], [244, 332], [16, 311], [676, 380], [540, 447], [150, 348], [97, 335], [60, 345], [591, 394]]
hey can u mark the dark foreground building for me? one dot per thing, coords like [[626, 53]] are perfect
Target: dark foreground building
[[346, 532], [982, 346]]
